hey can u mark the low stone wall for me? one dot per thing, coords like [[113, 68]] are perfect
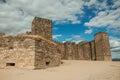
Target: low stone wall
[[73, 51], [17, 53], [28, 52]]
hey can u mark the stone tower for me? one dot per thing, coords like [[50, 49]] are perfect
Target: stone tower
[[102, 47], [42, 27]]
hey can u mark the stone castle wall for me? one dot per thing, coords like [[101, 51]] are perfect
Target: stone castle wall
[[98, 49], [47, 54], [28, 52], [36, 50], [17, 52]]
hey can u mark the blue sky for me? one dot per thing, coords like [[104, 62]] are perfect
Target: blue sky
[[73, 20]]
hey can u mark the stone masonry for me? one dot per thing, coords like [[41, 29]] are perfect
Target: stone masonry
[[17, 51], [102, 46], [36, 50], [42, 27], [98, 49], [33, 50]]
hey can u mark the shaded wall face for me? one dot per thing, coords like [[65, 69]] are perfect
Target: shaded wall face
[[74, 51], [70, 51], [93, 52], [107, 53], [46, 54], [102, 47], [80, 52], [19, 53], [62, 49], [99, 47], [42, 27], [87, 51]]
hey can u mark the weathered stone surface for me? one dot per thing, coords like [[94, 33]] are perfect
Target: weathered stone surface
[[28, 52], [102, 47], [73, 51], [98, 49], [70, 50], [42, 27], [61, 47], [21, 53], [93, 52], [87, 51], [80, 51], [46, 54], [31, 50]]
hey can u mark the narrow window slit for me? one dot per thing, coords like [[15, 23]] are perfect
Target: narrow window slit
[[47, 63], [10, 64]]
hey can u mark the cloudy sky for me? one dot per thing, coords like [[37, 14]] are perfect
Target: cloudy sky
[[73, 20]]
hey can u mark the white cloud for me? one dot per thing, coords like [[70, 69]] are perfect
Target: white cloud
[[114, 41], [115, 46], [11, 20], [91, 2], [108, 16], [116, 3], [18, 14], [57, 36], [57, 10], [76, 22], [114, 31], [88, 31], [99, 5], [74, 38], [55, 28]]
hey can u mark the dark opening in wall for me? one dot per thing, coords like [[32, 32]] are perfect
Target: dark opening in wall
[[10, 64], [47, 63], [11, 47]]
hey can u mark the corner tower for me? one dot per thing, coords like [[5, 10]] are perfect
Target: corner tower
[[102, 47], [42, 27]]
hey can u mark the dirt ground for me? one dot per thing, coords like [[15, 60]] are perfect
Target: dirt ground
[[69, 70]]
